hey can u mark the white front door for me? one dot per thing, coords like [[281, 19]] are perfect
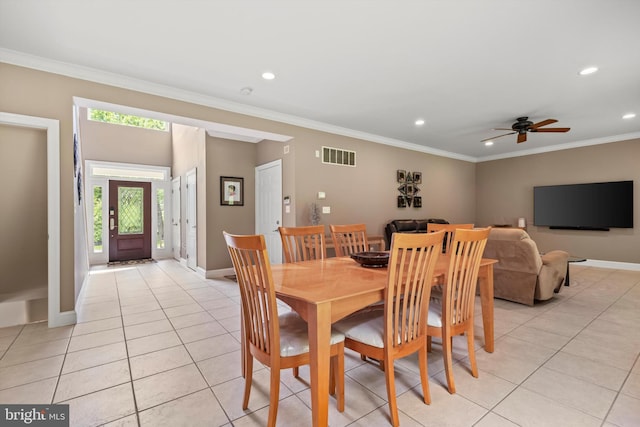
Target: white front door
[[269, 207], [191, 223], [175, 217]]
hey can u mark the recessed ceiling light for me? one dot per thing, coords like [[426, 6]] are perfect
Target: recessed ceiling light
[[588, 70], [629, 116], [488, 143], [268, 75], [419, 122]]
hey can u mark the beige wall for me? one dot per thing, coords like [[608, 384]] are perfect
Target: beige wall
[[228, 158], [123, 144], [23, 211], [505, 193], [368, 193], [187, 154]]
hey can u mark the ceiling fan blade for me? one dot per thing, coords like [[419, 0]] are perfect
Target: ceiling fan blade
[[522, 137], [542, 123], [499, 136], [550, 130]]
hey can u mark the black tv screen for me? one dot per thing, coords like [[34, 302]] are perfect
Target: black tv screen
[[601, 205]]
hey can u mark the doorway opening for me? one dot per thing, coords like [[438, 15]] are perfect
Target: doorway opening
[[127, 222]]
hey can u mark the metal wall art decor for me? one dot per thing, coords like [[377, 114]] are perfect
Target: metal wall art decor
[[409, 188]]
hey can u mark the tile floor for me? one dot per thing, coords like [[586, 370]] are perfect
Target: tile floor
[[157, 345]]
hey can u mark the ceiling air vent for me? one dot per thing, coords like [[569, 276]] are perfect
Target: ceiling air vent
[[337, 156]]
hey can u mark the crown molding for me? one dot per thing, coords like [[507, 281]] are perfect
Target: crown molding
[[568, 146], [121, 81], [118, 80]]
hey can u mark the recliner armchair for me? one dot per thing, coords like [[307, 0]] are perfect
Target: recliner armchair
[[523, 275]]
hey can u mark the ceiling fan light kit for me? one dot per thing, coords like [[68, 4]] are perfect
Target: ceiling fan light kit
[[524, 125]]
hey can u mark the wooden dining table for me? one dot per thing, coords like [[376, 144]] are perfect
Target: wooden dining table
[[325, 291]]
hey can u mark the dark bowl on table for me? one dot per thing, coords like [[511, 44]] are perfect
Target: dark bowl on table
[[371, 259]]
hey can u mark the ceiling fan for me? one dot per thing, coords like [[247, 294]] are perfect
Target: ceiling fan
[[523, 125]]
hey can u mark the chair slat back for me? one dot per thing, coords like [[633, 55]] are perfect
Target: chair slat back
[[410, 273], [259, 308], [348, 239], [303, 243], [450, 231], [462, 277]]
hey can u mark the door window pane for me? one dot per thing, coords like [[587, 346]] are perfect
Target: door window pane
[[160, 219], [130, 210], [97, 219]]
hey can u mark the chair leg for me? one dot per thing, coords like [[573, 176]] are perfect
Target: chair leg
[[243, 350], [332, 376], [274, 396], [429, 343], [389, 376], [447, 350], [248, 368], [424, 375], [472, 352], [296, 372]]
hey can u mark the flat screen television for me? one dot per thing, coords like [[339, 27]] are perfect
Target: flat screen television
[[594, 206]]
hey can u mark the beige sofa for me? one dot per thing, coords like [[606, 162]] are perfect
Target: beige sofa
[[522, 274]]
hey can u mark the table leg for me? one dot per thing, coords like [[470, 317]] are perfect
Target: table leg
[[486, 299], [319, 324]]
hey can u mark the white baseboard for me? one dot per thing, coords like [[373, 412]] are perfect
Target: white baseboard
[[201, 272], [610, 264], [13, 313], [63, 319], [219, 274]]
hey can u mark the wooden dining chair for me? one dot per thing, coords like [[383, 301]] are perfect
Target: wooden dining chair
[[453, 314], [303, 243], [279, 341], [348, 239], [450, 231], [400, 329]]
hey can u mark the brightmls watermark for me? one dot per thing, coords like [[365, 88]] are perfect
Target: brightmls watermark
[[34, 415]]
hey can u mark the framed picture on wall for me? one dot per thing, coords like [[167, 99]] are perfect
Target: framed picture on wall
[[401, 175], [402, 202], [417, 177], [231, 191], [417, 202]]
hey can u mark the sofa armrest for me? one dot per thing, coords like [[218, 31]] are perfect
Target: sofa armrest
[[560, 258], [552, 274]]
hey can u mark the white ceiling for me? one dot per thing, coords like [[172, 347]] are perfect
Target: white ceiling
[[362, 68]]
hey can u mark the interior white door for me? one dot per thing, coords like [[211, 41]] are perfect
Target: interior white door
[[175, 217], [191, 223], [269, 207]]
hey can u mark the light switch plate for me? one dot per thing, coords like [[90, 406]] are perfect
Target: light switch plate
[[326, 209]]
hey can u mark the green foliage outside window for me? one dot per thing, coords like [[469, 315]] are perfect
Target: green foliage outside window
[[97, 219], [160, 221], [126, 119]]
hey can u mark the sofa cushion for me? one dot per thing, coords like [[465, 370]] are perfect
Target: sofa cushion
[[404, 225]]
